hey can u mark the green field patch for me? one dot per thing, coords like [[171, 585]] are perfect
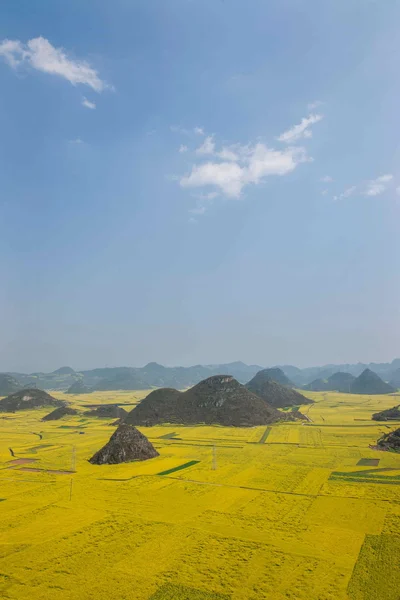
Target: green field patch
[[265, 435], [71, 427], [180, 467], [367, 476], [376, 575], [181, 592], [368, 462]]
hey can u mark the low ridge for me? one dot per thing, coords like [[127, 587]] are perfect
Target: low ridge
[[109, 411], [28, 399], [274, 393], [126, 444], [391, 414], [59, 413], [78, 387], [370, 383], [8, 384], [219, 399]]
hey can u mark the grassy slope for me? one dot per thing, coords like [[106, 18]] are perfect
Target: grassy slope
[[268, 522]]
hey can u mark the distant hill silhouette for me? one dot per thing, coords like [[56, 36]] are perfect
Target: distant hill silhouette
[[28, 399], [337, 382], [126, 444], [390, 441], [59, 413], [8, 384], [109, 411], [274, 393], [370, 383], [391, 414], [318, 385], [64, 371], [78, 387], [122, 381], [276, 374], [216, 400], [395, 379], [341, 381]]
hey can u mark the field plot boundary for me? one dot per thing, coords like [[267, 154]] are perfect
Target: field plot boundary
[[186, 465]]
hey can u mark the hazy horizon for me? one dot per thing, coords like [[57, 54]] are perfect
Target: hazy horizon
[[197, 182]]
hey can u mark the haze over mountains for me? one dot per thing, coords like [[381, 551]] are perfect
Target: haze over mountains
[[155, 375]]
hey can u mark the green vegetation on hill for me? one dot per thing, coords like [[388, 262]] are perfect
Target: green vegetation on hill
[[391, 414], [8, 384], [277, 395]]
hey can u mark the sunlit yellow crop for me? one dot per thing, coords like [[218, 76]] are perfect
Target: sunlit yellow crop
[[288, 513]]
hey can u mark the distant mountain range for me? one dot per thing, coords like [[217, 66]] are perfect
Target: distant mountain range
[[155, 375]]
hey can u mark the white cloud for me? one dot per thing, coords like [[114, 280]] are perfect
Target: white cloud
[[398, 190], [347, 193], [326, 179], [76, 141], [254, 164], [207, 147], [324, 192], [314, 105], [88, 104], [184, 131], [198, 131], [377, 186], [41, 55], [302, 130], [183, 148]]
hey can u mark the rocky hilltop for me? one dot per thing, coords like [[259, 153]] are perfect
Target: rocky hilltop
[[126, 444], [390, 441], [216, 400], [277, 395], [276, 374], [28, 399]]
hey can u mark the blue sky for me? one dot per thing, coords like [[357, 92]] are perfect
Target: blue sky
[[197, 181]]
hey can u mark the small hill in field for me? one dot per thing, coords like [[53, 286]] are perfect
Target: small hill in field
[[317, 385], [390, 441], [370, 383], [391, 414], [395, 379], [108, 411], [8, 384], [219, 399], [59, 413], [64, 371], [340, 381], [276, 374], [27, 399], [125, 445], [274, 393], [78, 387]]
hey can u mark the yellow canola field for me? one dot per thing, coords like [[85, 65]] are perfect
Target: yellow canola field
[[293, 511]]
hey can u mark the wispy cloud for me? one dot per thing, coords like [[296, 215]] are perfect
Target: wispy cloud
[[302, 130], [39, 54], [88, 104], [207, 147], [76, 141], [373, 187], [183, 148], [314, 105], [398, 190], [326, 179], [347, 193], [185, 131], [377, 186], [254, 163]]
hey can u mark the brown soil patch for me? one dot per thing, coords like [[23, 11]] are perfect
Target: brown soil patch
[[21, 461], [51, 471]]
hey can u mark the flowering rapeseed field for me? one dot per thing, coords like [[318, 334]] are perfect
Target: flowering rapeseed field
[[293, 511]]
